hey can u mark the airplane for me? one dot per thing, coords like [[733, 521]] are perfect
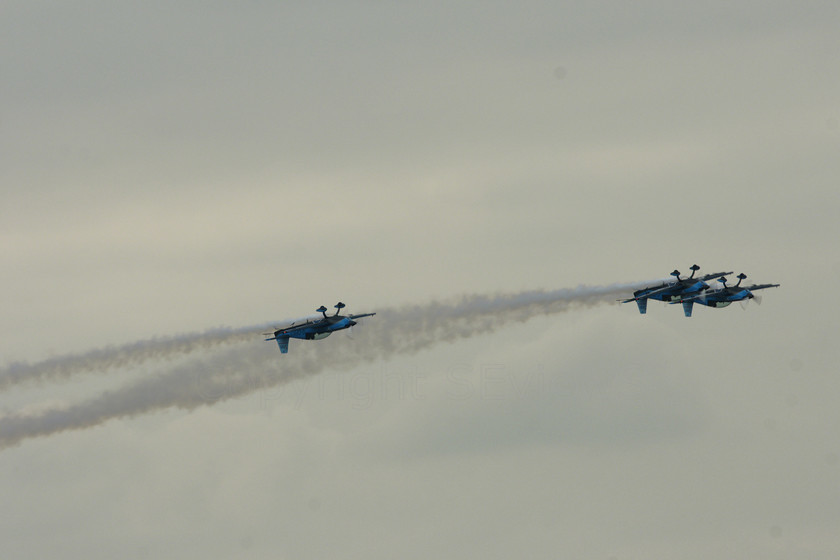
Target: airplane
[[724, 296], [313, 327], [673, 290]]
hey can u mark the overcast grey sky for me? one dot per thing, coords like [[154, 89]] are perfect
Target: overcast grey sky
[[173, 167]]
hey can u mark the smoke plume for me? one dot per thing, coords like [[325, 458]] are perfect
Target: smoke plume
[[102, 360], [226, 363]]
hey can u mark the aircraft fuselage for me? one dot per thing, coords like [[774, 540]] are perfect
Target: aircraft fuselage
[[676, 291]]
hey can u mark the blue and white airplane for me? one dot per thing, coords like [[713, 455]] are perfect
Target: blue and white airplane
[[313, 327], [673, 290], [723, 296]]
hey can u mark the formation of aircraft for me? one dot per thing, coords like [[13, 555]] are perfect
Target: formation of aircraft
[[674, 289], [313, 327], [691, 290], [685, 290]]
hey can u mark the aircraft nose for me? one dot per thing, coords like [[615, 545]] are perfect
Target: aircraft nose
[[352, 322]]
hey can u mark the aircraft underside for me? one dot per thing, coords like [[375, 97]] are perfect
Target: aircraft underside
[[315, 336]]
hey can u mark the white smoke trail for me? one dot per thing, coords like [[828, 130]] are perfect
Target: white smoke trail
[[102, 360], [240, 369]]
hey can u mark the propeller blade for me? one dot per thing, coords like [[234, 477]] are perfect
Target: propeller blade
[[757, 298], [356, 330]]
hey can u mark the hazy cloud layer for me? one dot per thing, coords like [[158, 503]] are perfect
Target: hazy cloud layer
[[166, 168]]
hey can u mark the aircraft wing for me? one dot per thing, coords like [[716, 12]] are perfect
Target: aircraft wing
[[359, 316], [714, 276], [291, 328], [762, 286]]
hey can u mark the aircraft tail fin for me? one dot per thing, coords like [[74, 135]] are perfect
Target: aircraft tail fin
[[642, 303], [282, 342], [687, 307]]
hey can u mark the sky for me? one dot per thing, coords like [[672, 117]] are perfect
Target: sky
[[173, 168]]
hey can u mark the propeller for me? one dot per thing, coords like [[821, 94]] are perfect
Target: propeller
[[358, 328], [752, 297]]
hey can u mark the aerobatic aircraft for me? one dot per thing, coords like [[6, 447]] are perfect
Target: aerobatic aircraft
[[723, 296], [676, 289], [313, 327]]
